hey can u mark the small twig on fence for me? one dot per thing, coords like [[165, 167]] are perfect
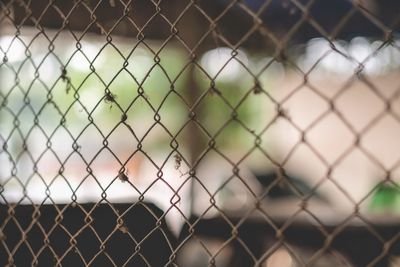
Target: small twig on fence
[[65, 79], [178, 161], [109, 98]]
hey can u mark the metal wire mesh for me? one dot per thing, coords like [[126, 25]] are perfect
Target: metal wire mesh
[[171, 133]]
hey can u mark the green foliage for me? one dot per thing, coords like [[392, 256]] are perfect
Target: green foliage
[[386, 198]]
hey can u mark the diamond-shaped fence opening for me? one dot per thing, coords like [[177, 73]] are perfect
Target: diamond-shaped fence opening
[[199, 133]]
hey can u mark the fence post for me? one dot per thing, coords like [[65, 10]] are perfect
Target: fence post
[[190, 33], [6, 18]]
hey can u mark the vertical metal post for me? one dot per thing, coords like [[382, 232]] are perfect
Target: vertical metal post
[[190, 32], [5, 22]]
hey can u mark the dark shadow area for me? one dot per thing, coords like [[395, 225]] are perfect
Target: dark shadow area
[[309, 19], [71, 237], [357, 244]]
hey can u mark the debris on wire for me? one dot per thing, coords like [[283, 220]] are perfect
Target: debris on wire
[[109, 98], [178, 161], [123, 177]]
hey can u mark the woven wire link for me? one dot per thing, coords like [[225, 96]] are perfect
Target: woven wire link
[[80, 154]]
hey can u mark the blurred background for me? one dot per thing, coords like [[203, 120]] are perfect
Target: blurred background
[[208, 109]]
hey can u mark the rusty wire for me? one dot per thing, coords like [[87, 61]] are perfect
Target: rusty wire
[[194, 27]]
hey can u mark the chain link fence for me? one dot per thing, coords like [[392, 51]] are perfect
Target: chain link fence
[[199, 133]]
